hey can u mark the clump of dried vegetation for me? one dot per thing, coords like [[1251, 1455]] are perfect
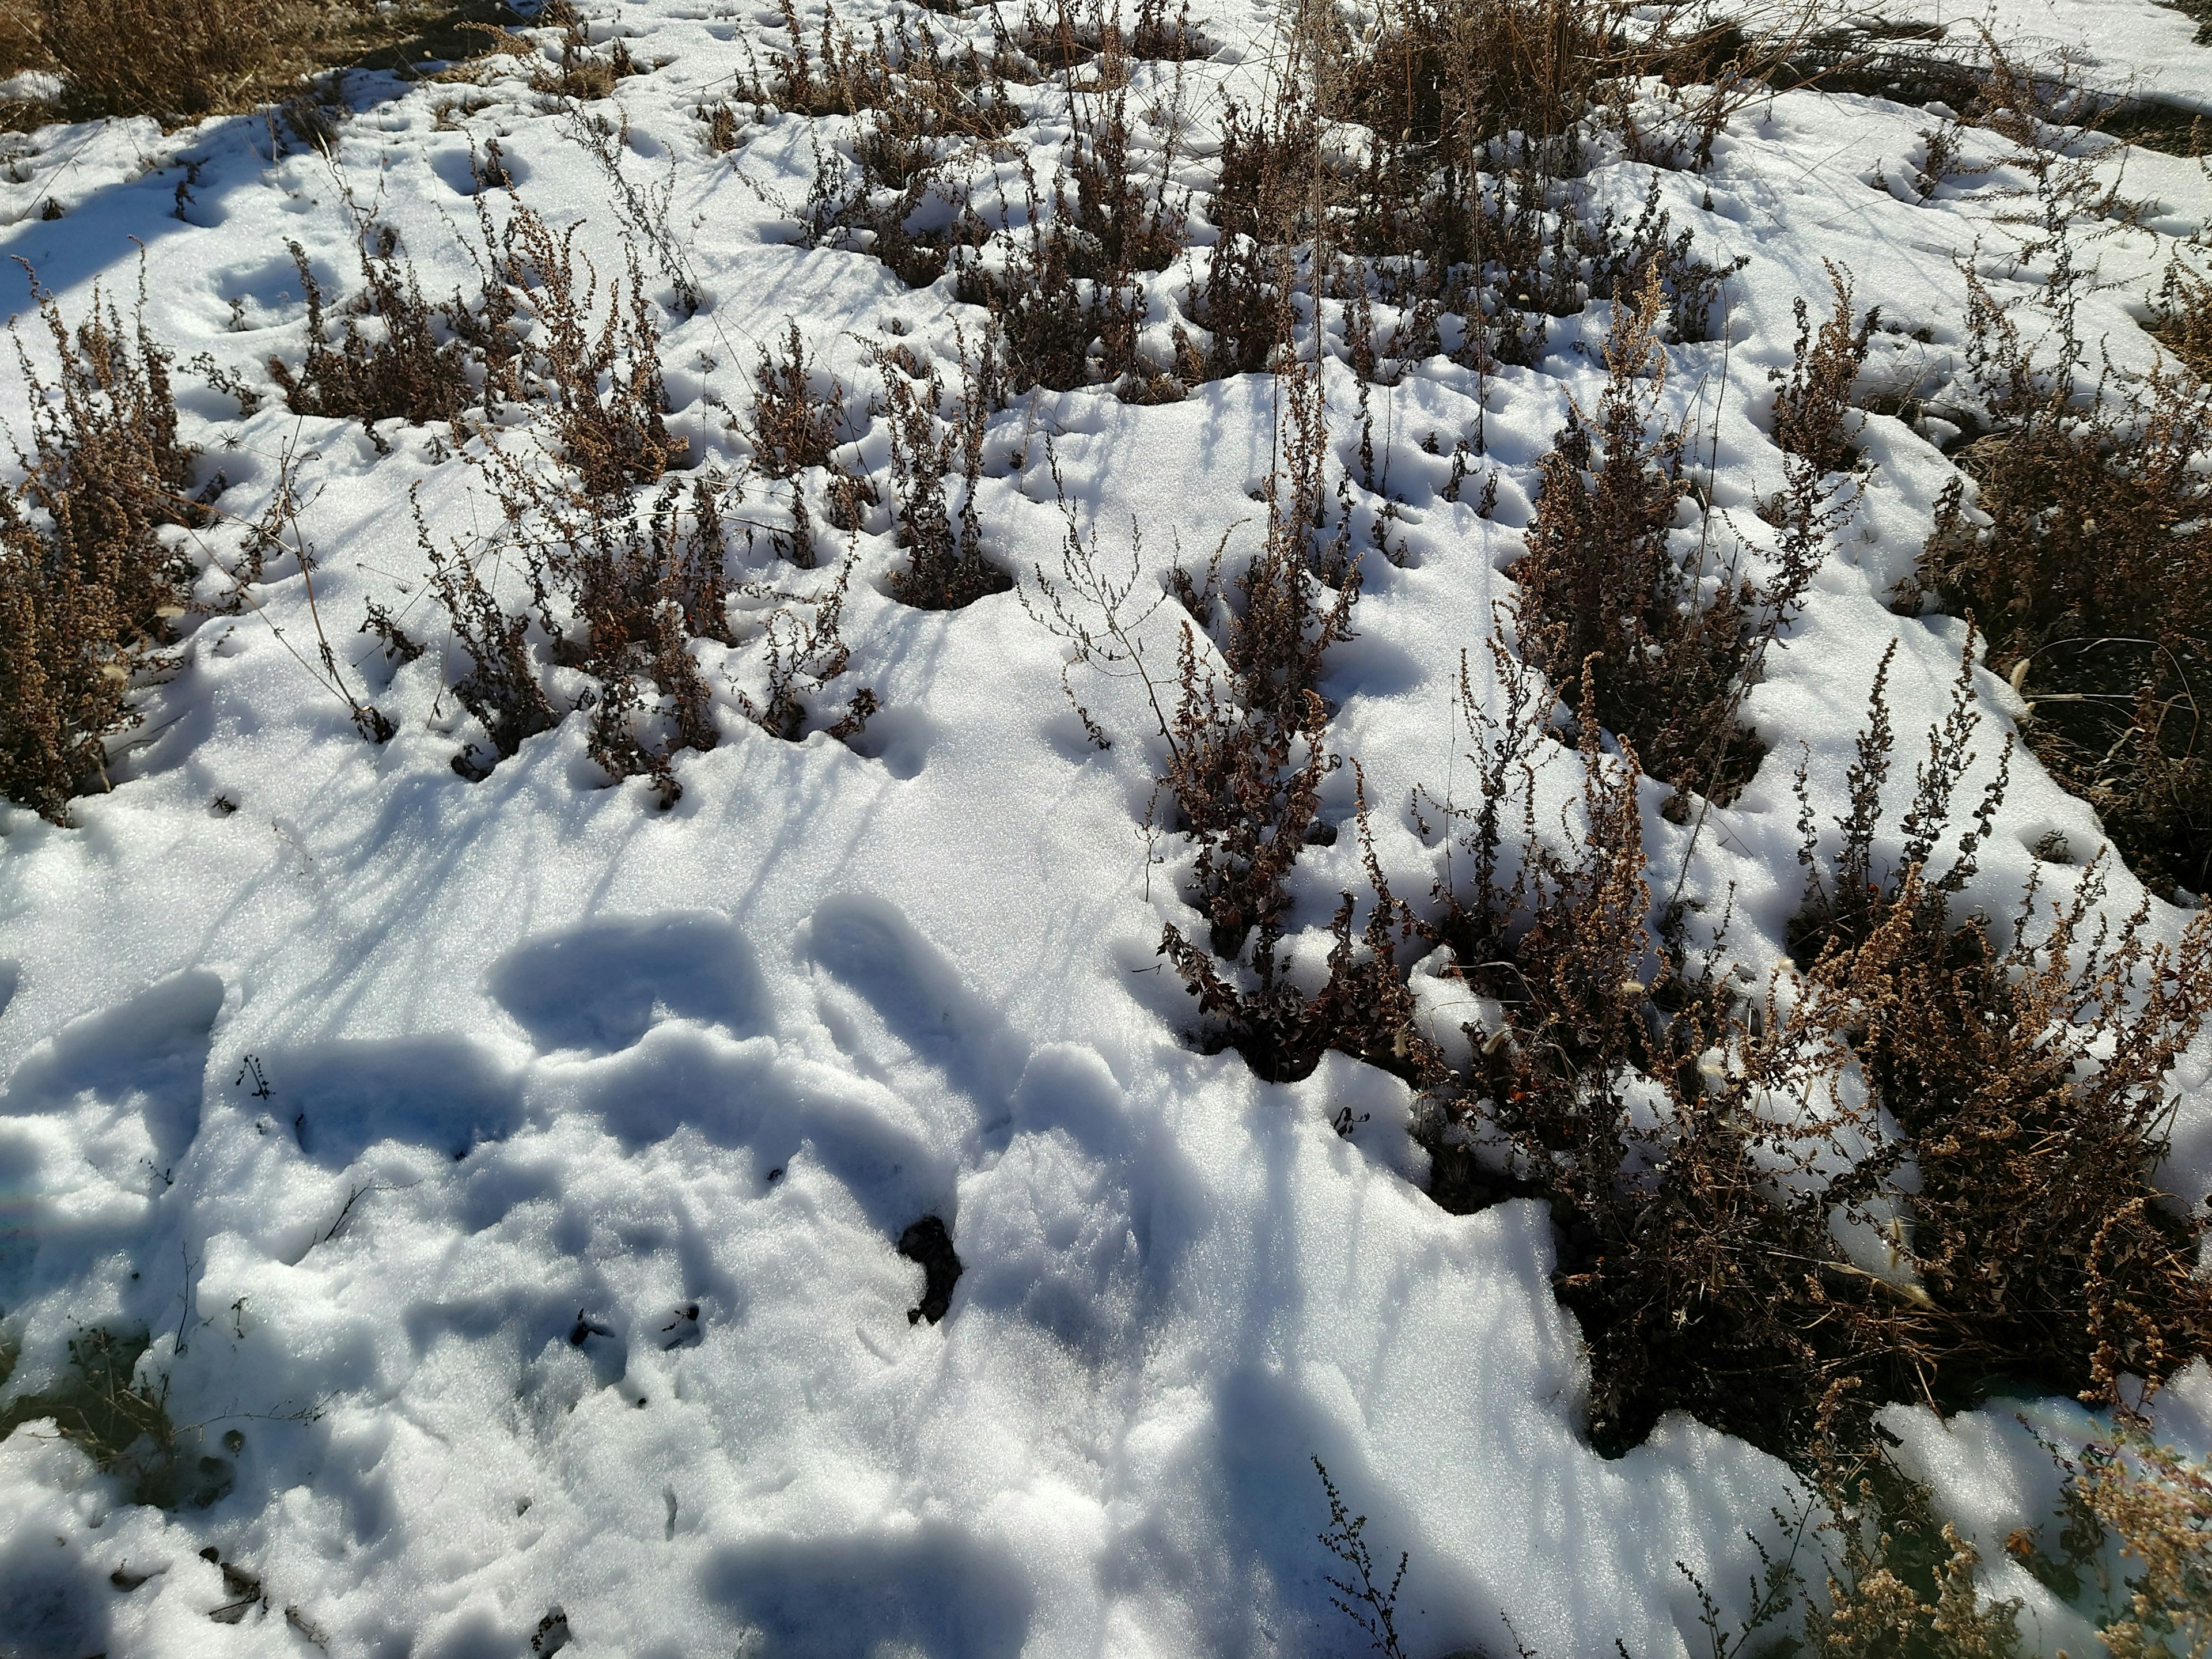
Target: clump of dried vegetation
[[1671, 638], [391, 360], [2085, 551], [1742, 1235], [596, 370], [795, 425], [2136, 1544], [583, 72], [946, 568], [619, 591], [88, 584], [1248, 753], [210, 56], [122, 1424]]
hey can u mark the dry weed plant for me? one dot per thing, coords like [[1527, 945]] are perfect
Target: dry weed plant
[[2084, 550], [402, 365], [795, 425], [1246, 756], [946, 568], [1812, 398], [501, 687], [583, 73], [2184, 313], [88, 584], [1065, 285], [1441, 151], [913, 108], [2140, 1513], [804, 656], [1740, 1237], [618, 592], [602, 382], [1899, 1582], [1604, 592], [1072, 35]]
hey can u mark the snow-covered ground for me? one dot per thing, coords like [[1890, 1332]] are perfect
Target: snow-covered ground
[[510, 1172]]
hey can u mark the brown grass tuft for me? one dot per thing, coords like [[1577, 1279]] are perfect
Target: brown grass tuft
[[401, 365], [1740, 1237], [613, 437], [88, 585], [2085, 551]]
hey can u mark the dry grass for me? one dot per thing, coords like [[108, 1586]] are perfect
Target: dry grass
[[2085, 551], [212, 57], [88, 585], [1702, 1143], [123, 1426], [1605, 591]]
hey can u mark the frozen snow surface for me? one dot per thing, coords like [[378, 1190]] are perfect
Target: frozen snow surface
[[510, 1173]]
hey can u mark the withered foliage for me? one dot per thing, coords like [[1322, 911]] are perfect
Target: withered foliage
[[390, 358], [946, 568], [599, 375], [804, 655], [1812, 398], [1247, 754], [618, 592], [87, 584], [583, 72], [2085, 550], [1604, 589], [1742, 1235], [795, 426], [2127, 1487]]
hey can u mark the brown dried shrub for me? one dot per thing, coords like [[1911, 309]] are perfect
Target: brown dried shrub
[[611, 437], [794, 426], [946, 568], [1601, 584], [1707, 1151], [2086, 552], [1248, 753], [805, 656], [617, 590], [1815, 395], [584, 73], [915, 107], [2155, 1503], [403, 367], [87, 586], [2184, 314]]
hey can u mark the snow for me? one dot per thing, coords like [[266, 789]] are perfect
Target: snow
[[2137, 46], [518, 1168]]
